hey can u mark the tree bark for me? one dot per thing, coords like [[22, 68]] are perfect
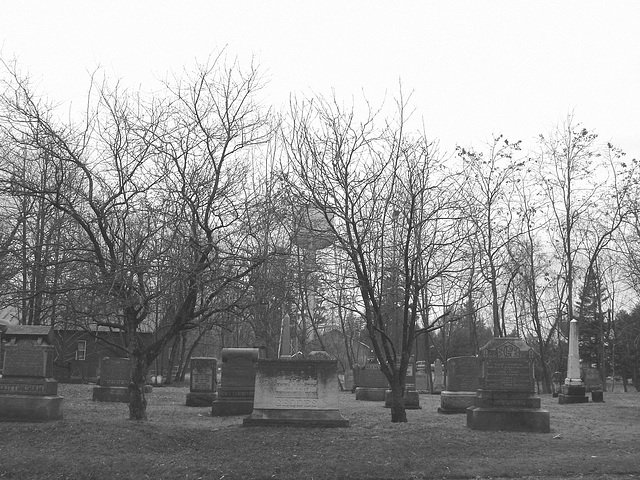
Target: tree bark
[[137, 396], [398, 412]]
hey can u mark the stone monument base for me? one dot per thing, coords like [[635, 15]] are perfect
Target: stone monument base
[[200, 399], [511, 419], [456, 402], [411, 400], [115, 394], [572, 394], [371, 394], [30, 408], [597, 396], [224, 407], [295, 417]]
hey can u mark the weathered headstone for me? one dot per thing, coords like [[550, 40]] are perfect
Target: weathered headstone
[[556, 382], [203, 382], [592, 379], [302, 393], [573, 390], [438, 377], [237, 382], [506, 398], [463, 381], [369, 381], [28, 391], [114, 379]]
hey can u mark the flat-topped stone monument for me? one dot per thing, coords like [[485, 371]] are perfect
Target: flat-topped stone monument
[[297, 392], [237, 382], [506, 398], [28, 391], [463, 381], [369, 381], [203, 382]]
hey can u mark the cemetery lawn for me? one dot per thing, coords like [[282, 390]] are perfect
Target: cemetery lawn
[[97, 441]]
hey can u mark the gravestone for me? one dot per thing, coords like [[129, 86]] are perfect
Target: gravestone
[[28, 391], [592, 379], [411, 396], [423, 382], [593, 384], [573, 389], [301, 393], [438, 377], [369, 381], [203, 382], [348, 384], [237, 382], [506, 398], [463, 381], [114, 379], [556, 382]]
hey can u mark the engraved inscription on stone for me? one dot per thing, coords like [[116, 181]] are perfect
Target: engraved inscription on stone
[[202, 378], [25, 360], [22, 388], [507, 374], [296, 393]]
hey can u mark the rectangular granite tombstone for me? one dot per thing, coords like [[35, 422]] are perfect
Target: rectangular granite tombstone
[[114, 379], [302, 393], [369, 381], [506, 398], [592, 380], [203, 382], [463, 380], [237, 382], [28, 391]]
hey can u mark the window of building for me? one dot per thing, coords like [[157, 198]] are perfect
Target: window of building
[[81, 352]]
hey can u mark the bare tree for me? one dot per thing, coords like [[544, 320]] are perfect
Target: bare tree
[[153, 185], [393, 210]]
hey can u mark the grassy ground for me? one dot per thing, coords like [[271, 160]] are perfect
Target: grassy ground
[[95, 440]]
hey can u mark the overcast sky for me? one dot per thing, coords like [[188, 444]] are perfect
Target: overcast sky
[[476, 68]]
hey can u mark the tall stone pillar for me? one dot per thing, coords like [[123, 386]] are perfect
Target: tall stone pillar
[[285, 344], [573, 390]]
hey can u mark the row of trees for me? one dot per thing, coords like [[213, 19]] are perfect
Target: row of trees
[[197, 208]]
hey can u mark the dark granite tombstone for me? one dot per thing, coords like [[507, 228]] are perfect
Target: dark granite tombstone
[[370, 383], [28, 391], [463, 380], [592, 379], [203, 382], [301, 393], [237, 382], [506, 398]]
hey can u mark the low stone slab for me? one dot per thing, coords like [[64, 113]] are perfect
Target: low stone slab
[[572, 394], [222, 407], [509, 419], [456, 402], [200, 399], [411, 399], [371, 394], [30, 408]]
